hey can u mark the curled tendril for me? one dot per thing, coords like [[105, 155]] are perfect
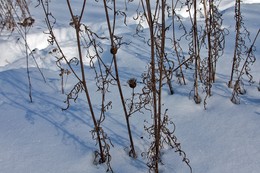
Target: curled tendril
[[73, 94]]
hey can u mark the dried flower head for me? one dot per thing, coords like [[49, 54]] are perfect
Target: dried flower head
[[132, 82], [113, 50]]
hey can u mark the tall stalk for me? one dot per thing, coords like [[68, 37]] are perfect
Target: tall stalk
[[154, 165], [113, 51], [27, 65], [15, 15], [208, 22], [152, 91], [176, 46], [77, 24], [194, 50], [237, 53], [159, 97], [250, 59]]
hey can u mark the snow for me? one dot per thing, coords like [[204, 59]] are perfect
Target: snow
[[40, 137]]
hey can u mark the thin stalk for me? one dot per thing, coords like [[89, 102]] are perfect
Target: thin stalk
[[158, 132], [248, 55], [238, 26], [132, 152], [49, 26], [27, 65], [208, 21], [175, 42], [196, 53], [153, 81], [236, 88], [77, 29]]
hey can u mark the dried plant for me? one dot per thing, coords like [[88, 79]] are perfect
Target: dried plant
[[194, 47], [15, 17], [24, 28], [250, 59], [115, 43], [104, 78], [11, 10], [167, 138], [102, 140], [240, 49], [151, 97], [178, 51], [97, 133], [208, 37], [213, 39]]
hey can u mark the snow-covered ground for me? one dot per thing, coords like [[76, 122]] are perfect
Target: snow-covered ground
[[39, 137]]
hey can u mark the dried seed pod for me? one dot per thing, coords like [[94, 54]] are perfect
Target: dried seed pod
[[113, 50], [132, 82], [27, 22]]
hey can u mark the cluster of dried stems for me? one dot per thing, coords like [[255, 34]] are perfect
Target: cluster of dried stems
[[159, 72], [10, 10], [241, 50], [15, 14], [206, 39]]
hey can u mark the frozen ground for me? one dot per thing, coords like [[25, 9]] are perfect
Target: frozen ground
[[39, 137]]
